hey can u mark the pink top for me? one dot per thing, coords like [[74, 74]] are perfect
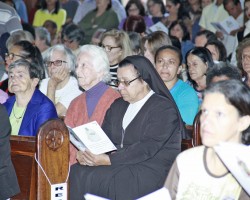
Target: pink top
[[3, 96]]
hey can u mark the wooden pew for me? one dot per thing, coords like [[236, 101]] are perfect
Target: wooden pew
[[51, 147], [194, 131], [23, 149]]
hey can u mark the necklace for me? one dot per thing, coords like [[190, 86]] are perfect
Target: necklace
[[18, 118]]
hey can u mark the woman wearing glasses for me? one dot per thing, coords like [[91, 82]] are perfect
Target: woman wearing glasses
[[117, 46], [28, 109], [61, 87], [93, 75], [146, 128], [22, 50]]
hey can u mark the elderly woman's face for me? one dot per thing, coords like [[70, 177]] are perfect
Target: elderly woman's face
[[246, 60], [113, 51], [20, 81], [220, 121], [55, 58], [135, 90], [86, 74], [196, 67]]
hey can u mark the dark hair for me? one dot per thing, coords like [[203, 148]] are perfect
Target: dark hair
[[44, 6], [175, 41], [136, 43], [33, 68], [138, 4], [163, 9], [238, 95], [235, 2], [220, 48], [108, 7], [208, 34], [182, 13], [175, 49], [186, 35], [73, 32], [203, 53], [223, 69], [32, 54], [134, 24]]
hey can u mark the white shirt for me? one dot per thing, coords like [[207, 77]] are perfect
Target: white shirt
[[133, 109], [66, 94]]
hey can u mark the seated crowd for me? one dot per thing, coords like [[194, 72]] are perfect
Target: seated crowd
[[97, 60]]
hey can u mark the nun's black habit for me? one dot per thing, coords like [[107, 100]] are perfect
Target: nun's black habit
[[151, 143]]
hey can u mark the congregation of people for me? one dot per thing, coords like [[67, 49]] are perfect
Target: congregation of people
[[110, 61]]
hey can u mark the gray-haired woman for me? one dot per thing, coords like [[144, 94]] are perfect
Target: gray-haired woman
[[93, 75], [61, 86]]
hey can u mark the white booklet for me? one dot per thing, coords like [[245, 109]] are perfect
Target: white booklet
[[227, 25], [159, 26], [161, 194], [91, 136], [236, 157]]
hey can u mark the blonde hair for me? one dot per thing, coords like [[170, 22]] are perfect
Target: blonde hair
[[122, 40]]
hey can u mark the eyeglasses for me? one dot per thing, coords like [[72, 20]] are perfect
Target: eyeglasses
[[11, 56], [55, 63], [125, 83], [245, 57], [108, 48]]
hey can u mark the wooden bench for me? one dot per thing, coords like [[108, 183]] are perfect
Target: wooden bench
[[51, 147], [194, 131]]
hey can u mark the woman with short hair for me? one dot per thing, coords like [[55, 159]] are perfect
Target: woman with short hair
[[28, 108], [61, 87], [93, 76]]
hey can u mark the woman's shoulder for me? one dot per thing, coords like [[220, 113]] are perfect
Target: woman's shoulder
[[192, 153]]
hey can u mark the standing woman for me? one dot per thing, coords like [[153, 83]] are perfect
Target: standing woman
[[50, 10], [225, 117], [117, 46], [198, 60], [103, 17]]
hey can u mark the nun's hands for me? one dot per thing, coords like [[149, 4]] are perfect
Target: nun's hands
[[90, 159]]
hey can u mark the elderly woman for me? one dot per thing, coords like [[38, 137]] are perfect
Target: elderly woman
[[146, 128], [117, 46], [103, 17], [93, 75], [243, 60], [225, 117], [29, 108], [61, 87]]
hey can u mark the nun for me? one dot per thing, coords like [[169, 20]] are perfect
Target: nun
[[145, 126]]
